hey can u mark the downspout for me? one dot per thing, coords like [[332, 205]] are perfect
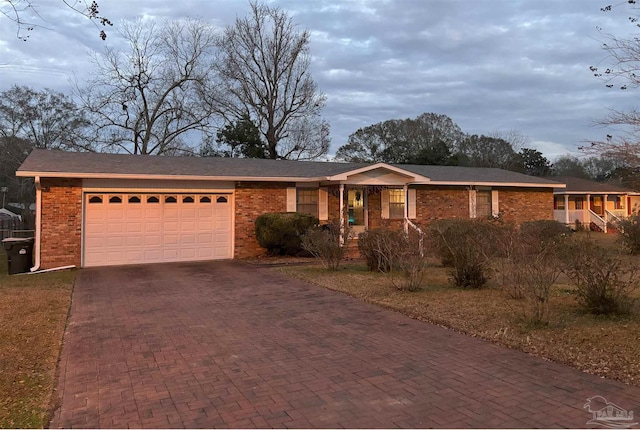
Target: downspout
[[36, 248]]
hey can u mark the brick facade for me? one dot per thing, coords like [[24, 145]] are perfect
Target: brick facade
[[61, 223], [62, 212], [525, 204], [253, 199]]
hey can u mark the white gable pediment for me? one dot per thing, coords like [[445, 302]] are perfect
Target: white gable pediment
[[379, 174]]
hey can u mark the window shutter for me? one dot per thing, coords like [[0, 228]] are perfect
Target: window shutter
[[291, 199], [384, 201], [472, 203], [412, 200], [323, 204], [495, 209]]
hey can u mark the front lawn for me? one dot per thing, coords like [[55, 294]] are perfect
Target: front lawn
[[604, 346], [33, 314]]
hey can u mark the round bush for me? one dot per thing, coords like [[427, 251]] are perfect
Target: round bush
[[280, 232]]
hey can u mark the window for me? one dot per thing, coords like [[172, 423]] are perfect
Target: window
[[579, 203], [307, 201], [170, 199], [558, 203], [134, 199], [115, 199], [153, 199], [188, 199], [221, 200], [483, 204], [95, 199], [205, 199], [618, 204], [396, 204]]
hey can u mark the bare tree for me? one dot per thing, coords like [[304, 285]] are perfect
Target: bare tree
[[264, 64], [622, 72], [35, 119], [45, 119], [517, 139], [18, 11], [151, 98]]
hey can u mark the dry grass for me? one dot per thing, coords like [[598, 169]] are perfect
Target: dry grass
[[33, 314], [604, 346]]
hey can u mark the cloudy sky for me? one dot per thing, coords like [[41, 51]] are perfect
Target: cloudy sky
[[490, 65]]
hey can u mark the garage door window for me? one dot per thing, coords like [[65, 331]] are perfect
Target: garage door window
[[188, 199], [134, 199], [95, 199], [170, 199], [221, 200], [115, 199], [153, 199], [205, 199]]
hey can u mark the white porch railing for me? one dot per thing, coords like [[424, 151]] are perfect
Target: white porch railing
[[617, 214], [598, 220], [574, 215], [420, 234], [585, 217]]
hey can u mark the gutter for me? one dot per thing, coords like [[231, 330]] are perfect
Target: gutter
[[36, 250]]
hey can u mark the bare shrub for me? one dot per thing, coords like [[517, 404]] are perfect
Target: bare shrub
[[604, 281], [381, 248], [394, 252], [543, 230], [467, 246], [411, 262], [323, 242], [629, 233]]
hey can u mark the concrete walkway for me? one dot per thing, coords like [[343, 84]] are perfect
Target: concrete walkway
[[225, 344]]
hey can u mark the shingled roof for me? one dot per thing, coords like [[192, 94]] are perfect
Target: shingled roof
[[75, 164], [584, 186]]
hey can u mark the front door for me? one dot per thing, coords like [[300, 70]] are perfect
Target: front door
[[357, 209], [598, 206]]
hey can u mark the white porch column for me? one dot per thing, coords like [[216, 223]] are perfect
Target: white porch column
[[406, 208], [341, 214], [566, 209], [586, 213], [604, 211]]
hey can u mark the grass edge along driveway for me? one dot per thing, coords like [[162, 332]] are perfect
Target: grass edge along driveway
[[33, 315]]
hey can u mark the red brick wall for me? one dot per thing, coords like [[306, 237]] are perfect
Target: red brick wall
[[441, 203], [252, 200], [61, 222], [525, 204]]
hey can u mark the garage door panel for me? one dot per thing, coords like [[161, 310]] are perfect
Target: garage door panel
[[140, 228]]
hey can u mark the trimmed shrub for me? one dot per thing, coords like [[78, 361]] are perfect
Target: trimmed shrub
[[467, 246], [281, 232], [629, 233], [604, 282], [324, 242]]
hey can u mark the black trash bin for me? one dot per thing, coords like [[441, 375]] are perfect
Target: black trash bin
[[19, 254]]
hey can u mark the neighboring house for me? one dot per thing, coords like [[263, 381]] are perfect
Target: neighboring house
[[594, 205], [108, 209], [9, 223]]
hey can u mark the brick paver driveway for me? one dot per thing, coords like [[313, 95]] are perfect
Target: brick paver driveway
[[224, 344]]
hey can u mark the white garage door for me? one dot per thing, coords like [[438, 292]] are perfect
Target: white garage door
[[155, 228]]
